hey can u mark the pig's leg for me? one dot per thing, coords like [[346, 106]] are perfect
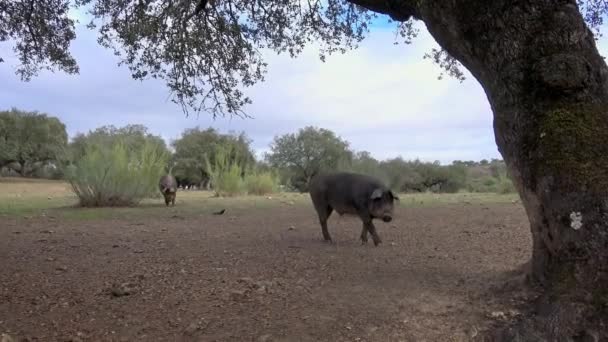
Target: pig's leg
[[364, 234], [369, 225], [323, 216]]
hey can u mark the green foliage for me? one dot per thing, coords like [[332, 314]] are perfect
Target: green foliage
[[133, 136], [42, 32], [113, 174], [309, 151], [505, 186], [261, 183], [489, 177], [185, 44], [364, 163], [225, 173], [31, 140], [196, 146], [116, 166]]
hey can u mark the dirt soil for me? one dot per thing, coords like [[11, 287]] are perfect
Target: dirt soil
[[262, 275]]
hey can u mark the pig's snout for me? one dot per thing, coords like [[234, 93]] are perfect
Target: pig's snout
[[387, 218]]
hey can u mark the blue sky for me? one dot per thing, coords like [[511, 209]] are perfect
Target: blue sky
[[382, 98]]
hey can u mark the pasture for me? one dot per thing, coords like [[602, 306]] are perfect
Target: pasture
[[259, 272]]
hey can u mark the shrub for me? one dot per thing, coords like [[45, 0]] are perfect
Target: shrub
[[110, 174], [505, 185], [225, 174], [229, 182], [261, 183]]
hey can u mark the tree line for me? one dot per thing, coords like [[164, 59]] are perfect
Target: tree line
[[33, 144]]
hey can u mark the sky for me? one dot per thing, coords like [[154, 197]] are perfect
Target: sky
[[382, 98]]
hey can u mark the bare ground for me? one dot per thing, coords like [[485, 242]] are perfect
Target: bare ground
[[261, 275]]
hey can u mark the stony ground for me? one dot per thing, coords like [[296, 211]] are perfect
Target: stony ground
[[260, 274]]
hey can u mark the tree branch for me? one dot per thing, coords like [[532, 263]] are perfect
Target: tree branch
[[397, 10], [202, 4]]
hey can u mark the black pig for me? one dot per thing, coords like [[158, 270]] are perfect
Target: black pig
[[355, 194]]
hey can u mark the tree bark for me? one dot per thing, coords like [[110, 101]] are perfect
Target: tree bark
[[547, 86]]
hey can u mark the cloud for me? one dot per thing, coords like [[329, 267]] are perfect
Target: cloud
[[382, 98]]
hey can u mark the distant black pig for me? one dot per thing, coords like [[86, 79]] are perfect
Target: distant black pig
[[355, 194], [168, 187]]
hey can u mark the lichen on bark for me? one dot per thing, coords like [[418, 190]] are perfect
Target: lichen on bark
[[573, 146]]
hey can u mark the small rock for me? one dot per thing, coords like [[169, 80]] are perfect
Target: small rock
[[514, 312], [263, 284], [291, 228], [237, 295], [498, 314], [61, 268], [372, 330], [393, 244], [348, 327], [192, 328], [124, 289], [246, 280], [47, 231], [264, 338], [138, 251], [50, 259]]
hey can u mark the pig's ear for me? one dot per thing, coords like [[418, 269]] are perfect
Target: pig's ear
[[393, 195], [376, 194]]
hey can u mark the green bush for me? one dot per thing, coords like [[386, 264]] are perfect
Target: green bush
[[505, 186], [229, 182], [261, 183], [226, 175], [110, 174]]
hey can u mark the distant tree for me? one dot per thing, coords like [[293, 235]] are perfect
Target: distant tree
[[31, 139], [134, 137], [195, 145], [307, 152], [363, 162], [402, 175]]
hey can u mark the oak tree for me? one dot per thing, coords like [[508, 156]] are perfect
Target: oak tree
[[307, 152]]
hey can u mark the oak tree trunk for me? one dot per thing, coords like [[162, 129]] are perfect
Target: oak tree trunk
[[548, 89]]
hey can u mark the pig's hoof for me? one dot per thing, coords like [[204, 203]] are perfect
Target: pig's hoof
[[377, 242]]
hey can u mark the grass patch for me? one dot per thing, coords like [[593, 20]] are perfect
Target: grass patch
[[54, 198]]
